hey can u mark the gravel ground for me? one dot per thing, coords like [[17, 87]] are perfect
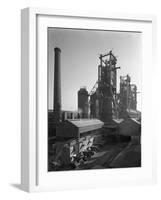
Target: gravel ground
[[122, 155]]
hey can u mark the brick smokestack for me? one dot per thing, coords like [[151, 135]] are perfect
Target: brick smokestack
[[57, 85]]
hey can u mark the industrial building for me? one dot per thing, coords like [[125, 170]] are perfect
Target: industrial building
[[104, 101], [103, 113]]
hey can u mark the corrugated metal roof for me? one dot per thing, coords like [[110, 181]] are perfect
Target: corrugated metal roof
[[133, 111], [85, 125], [136, 121], [118, 121], [85, 122]]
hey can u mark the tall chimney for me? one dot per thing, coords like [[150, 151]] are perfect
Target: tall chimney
[[57, 85]]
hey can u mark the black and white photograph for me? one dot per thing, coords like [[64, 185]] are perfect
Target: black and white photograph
[[94, 99]]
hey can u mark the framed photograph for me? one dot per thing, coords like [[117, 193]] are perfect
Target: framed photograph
[[87, 112]]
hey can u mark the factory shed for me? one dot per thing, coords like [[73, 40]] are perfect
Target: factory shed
[[133, 113], [74, 128], [130, 127]]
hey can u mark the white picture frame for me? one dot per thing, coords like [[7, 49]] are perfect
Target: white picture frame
[[34, 176]]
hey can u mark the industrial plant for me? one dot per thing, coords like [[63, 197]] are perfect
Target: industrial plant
[[105, 131]]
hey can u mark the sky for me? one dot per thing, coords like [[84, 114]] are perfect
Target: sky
[[80, 50]]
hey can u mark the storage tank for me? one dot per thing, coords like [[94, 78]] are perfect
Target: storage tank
[[83, 102]]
